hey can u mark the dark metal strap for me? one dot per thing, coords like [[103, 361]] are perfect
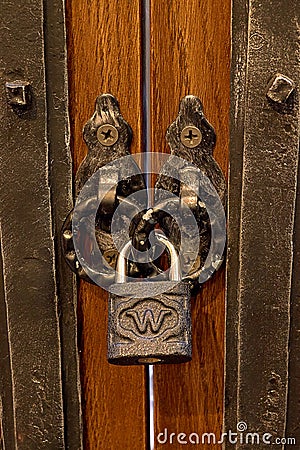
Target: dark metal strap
[[40, 406], [61, 185], [263, 178]]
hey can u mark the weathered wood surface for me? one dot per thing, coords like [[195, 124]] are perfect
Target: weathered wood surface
[[105, 56], [191, 55]]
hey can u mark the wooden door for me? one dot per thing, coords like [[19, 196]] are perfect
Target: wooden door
[[190, 54], [149, 54]]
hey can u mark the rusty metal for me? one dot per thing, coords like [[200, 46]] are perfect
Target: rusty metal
[[190, 136], [40, 392], [280, 88], [103, 149], [264, 154], [149, 322], [18, 93], [196, 148]]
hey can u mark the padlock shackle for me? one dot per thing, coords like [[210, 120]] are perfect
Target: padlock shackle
[[121, 275], [175, 269]]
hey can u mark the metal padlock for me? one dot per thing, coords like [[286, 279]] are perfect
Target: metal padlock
[[149, 321]]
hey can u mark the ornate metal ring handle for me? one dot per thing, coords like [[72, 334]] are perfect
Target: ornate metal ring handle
[[199, 183], [192, 139], [108, 137]]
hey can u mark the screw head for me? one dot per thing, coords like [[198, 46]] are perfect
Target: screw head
[[280, 88], [191, 136], [107, 135], [18, 93]]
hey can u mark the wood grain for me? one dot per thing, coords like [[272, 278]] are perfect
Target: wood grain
[[191, 55], [104, 44]]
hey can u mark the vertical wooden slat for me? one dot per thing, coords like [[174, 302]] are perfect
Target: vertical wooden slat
[[104, 42], [191, 55]]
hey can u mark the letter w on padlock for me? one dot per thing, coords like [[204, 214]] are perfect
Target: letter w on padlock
[[147, 319]]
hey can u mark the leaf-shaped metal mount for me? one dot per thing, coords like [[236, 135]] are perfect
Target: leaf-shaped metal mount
[[191, 138], [191, 114], [107, 112], [102, 150]]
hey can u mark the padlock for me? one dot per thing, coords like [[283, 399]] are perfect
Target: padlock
[[149, 321]]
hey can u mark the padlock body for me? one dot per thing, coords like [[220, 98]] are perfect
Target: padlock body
[[153, 329]]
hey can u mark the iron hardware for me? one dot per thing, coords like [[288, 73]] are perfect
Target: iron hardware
[[280, 88], [155, 328], [108, 137], [191, 138], [262, 331], [192, 126], [18, 93]]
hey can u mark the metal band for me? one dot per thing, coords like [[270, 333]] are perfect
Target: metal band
[[293, 410], [38, 293], [263, 178], [61, 185]]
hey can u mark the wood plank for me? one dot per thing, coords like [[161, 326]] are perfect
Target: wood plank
[[104, 42], [192, 56]]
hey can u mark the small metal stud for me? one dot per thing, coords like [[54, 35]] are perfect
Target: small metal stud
[[71, 255], [190, 136], [67, 234], [280, 88], [18, 93], [107, 135]]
